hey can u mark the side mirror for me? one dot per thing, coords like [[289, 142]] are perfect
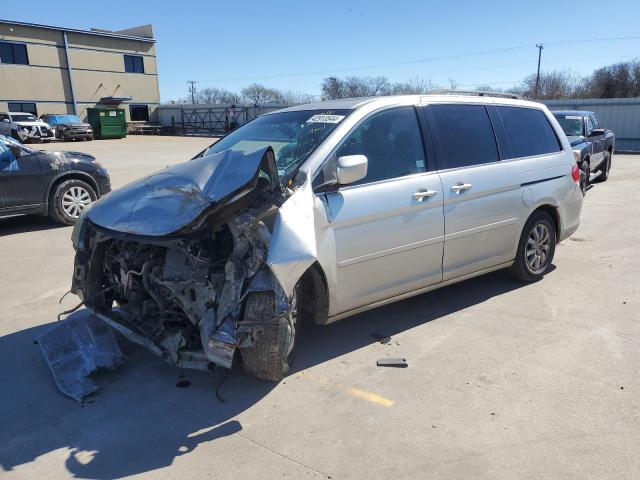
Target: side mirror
[[6, 120], [596, 132], [351, 168], [16, 150]]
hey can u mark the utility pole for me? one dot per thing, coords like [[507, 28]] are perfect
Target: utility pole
[[192, 89], [539, 47]]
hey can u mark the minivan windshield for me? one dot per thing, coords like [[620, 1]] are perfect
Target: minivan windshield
[[294, 136], [571, 124]]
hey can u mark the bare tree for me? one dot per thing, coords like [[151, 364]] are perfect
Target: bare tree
[[555, 84], [415, 86], [217, 96], [332, 88], [296, 98], [260, 95], [619, 80]]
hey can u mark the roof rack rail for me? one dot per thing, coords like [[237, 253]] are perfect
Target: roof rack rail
[[478, 93]]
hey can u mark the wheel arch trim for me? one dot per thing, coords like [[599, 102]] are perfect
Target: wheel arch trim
[[70, 175]]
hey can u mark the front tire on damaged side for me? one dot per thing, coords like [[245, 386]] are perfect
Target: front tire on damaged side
[[538, 240], [270, 355]]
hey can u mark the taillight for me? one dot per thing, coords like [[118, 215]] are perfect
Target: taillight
[[575, 173]]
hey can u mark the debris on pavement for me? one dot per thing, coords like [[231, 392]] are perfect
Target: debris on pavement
[[393, 362], [75, 349], [383, 339]]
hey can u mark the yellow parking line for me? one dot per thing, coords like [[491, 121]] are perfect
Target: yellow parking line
[[354, 392], [370, 397]]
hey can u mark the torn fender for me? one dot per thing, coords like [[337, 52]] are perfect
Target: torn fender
[[302, 236], [293, 242]]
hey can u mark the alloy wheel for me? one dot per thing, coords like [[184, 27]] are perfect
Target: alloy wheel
[[538, 248]]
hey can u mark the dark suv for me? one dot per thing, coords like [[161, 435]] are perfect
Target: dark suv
[[68, 127], [58, 184]]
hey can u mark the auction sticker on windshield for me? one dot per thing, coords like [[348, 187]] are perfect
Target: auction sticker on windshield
[[573, 117], [323, 118]]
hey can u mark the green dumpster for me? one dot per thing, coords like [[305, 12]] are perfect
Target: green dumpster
[[107, 122]]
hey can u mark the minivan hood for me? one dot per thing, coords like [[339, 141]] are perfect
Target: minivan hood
[[574, 140], [166, 201]]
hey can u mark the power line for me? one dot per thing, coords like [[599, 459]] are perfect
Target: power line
[[367, 67], [421, 60]]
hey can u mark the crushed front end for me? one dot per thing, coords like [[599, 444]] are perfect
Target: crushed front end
[[196, 295]]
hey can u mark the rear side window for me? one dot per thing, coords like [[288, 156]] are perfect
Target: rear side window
[[529, 132], [463, 135]]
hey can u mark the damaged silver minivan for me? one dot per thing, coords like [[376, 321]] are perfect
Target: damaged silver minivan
[[322, 211]]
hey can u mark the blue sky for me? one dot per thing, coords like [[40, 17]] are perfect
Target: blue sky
[[292, 45]]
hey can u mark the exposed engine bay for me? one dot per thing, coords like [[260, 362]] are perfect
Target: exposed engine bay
[[184, 296], [197, 295]]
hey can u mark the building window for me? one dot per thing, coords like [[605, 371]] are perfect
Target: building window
[[139, 113], [13, 53], [133, 64], [23, 107]]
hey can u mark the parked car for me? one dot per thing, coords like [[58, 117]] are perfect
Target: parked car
[[322, 211], [24, 127], [592, 145], [68, 127], [59, 184]]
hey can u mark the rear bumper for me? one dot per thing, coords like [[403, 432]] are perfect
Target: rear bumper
[[569, 211]]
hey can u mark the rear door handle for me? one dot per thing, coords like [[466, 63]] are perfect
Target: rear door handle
[[461, 187], [422, 194]]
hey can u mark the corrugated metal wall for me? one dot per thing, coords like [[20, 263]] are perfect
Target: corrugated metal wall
[[622, 115]]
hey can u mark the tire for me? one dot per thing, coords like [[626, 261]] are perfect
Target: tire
[[69, 199], [606, 166], [586, 171], [526, 267], [270, 357]]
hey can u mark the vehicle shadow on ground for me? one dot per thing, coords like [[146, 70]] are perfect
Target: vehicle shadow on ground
[[141, 421], [26, 223]]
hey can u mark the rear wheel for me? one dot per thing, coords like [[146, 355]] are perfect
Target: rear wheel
[[270, 356], [605, 167], [536, 248], [69, 199]]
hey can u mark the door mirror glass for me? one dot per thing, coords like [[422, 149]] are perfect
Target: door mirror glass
[[351, 168], [596, 132]]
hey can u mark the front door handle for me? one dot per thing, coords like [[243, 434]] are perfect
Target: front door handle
[[461, 187], [422, 194]]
